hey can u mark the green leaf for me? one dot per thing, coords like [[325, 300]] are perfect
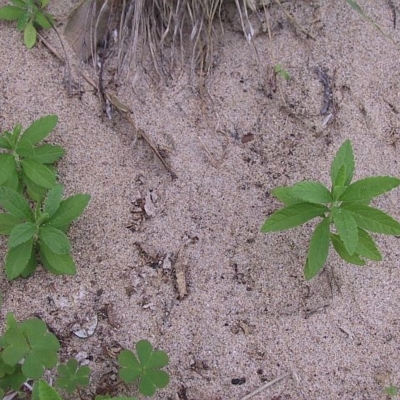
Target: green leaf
[[292, 216], [43, 391], [31, 266], [15, 204], [69, 210], [38, 173], [42, 20], [343, 165], [7, 167], [341, 250], [284, 194], [24, 149], [72, 376], [19, 3], [54, 239], [4, 143], [57, 263], [372, 219], [40, 129], [368, 188], [13, 182], [10, 13], [366, 246], [48, 154], [21, 234], [318, 250], [17, 259], [35, 192], [16, 346], [53, 199], [147, 368], [338, 191], [30, 35], [346, 227], [7, 223], [23, 21], [311, 192], [43, 348]]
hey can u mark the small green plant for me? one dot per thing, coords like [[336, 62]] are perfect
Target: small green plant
[[279, 70], [28, 349], [26, 165], [146, 367], [392, 390], [29, 15], [345, 207], [39, 231]]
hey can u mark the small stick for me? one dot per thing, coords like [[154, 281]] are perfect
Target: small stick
[[279, 378], [211, 158]]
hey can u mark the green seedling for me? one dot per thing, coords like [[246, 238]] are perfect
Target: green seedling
[[29, 15], [146, 367], [26, 164], [345, 208], [40, 231], [28, 349], [279, 70], [392, 390]]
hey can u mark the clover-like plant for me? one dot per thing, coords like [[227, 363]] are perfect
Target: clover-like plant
[[345, 208], [146, 367], [28, 349], [40, 231], [29, 15], [24, 163]]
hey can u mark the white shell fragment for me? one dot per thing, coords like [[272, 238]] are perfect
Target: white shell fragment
[[86, 328]]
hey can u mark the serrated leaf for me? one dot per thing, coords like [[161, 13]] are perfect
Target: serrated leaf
[[292, 216], [368, 188], [48, 153], [69, 210], [341, 250], [346, 227], [57, 263], [43, 391], [21, 234], [372, 219], [54, 239], [7, 167], [10, 13], [43, 348], [71, 376], [366, 246], [17, 259], [344, 157], [40, 129], [7, 223], [35, 192], [318, 249], [15, 204], [38, 173], [53, 199], [30, 35], [13, 182], [283, 193], [311, 192]]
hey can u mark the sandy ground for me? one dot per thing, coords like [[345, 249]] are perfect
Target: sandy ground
[[249, 315]]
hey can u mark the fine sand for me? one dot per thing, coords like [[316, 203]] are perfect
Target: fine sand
[[246, 314]]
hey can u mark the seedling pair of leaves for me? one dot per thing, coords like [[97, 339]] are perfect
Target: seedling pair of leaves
[[29, 15], [28, 349], [39, 232], [26, 165], [345, 208]]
